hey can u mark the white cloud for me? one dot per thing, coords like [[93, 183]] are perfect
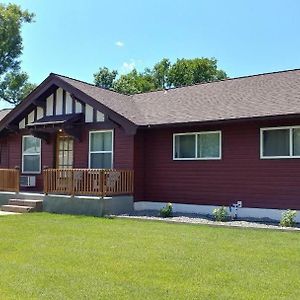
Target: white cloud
[[128, 66], [119, 44]]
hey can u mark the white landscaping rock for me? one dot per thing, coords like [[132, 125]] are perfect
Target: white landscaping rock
[[203, 221]]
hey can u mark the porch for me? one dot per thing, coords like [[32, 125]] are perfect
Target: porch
[[80, 182], [95, 192]]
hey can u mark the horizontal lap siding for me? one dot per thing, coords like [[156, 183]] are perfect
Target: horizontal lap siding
[[4, 153], [139, 165], [123, 150], [240, 175], [13, 158], [11, 155]]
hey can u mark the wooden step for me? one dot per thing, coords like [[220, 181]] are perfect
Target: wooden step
[[36, 204], [17, 208]]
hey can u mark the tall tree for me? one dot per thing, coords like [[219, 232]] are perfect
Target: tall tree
[[105, 78], [197, 70], [135, 82], [160, 73], [12, 17]]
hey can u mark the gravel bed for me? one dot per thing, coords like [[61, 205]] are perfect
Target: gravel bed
[[207, 220]]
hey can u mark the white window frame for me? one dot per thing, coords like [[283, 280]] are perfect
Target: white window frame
[[196, 145], [28, 154], [290, 128], [112, 146]]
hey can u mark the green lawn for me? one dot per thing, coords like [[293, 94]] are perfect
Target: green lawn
[[44, 256]]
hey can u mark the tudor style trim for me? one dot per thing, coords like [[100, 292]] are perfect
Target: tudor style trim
[[43, 89]]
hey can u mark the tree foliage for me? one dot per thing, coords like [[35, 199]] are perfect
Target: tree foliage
[[134, 82], [191, 71], [13, 82], [105, 78], [163, 75], [15, 87]]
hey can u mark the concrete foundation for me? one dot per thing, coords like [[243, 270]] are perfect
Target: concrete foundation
[[76, 205]]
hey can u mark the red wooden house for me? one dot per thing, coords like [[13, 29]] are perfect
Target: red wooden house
[[197, 146]]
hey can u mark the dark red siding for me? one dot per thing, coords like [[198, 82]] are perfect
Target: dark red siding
[[11, 151], [3, 153], [239, 175]]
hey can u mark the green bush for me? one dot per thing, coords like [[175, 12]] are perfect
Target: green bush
[[167, 211], [221, 214], [288, 218]]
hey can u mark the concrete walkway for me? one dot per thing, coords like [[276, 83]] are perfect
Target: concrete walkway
[[5, 213]]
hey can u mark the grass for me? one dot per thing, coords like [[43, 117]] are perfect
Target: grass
[[44, 256]]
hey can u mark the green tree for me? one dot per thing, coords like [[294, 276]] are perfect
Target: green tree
[[197, 70], [135, 82], [11, 19], [105, 78], [160, 73], [15, 87], [163, 75]]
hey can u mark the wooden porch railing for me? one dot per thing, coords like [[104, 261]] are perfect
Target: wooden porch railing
[[98, 182], [9, 180]]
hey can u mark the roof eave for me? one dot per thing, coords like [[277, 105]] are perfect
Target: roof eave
[[222, 121]]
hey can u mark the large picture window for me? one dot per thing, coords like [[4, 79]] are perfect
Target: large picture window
[[280, 142], [31, 154], [197, 145], [101, 149]]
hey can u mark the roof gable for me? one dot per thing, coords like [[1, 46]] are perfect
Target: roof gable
[[257, 96], [54, 82]]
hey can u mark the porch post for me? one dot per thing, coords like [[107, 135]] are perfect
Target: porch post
[[17, 182]]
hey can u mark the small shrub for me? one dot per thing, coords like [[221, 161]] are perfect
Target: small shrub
[[221, 214], [167, 211], [288, 218]]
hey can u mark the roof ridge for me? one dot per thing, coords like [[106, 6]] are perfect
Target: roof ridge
[[88, 83], [219, 80], [179, 87]]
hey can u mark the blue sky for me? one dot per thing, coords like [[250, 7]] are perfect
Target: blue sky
[[75, 38]]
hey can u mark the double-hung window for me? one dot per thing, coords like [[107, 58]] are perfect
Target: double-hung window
[[101, 149], [280, 142], [197, 145], [31, 154]]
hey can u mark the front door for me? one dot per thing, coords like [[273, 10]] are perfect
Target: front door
[[64, 151]]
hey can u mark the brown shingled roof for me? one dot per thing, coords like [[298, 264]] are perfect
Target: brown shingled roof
[[246, 97], [262, 95], [120, 103]]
